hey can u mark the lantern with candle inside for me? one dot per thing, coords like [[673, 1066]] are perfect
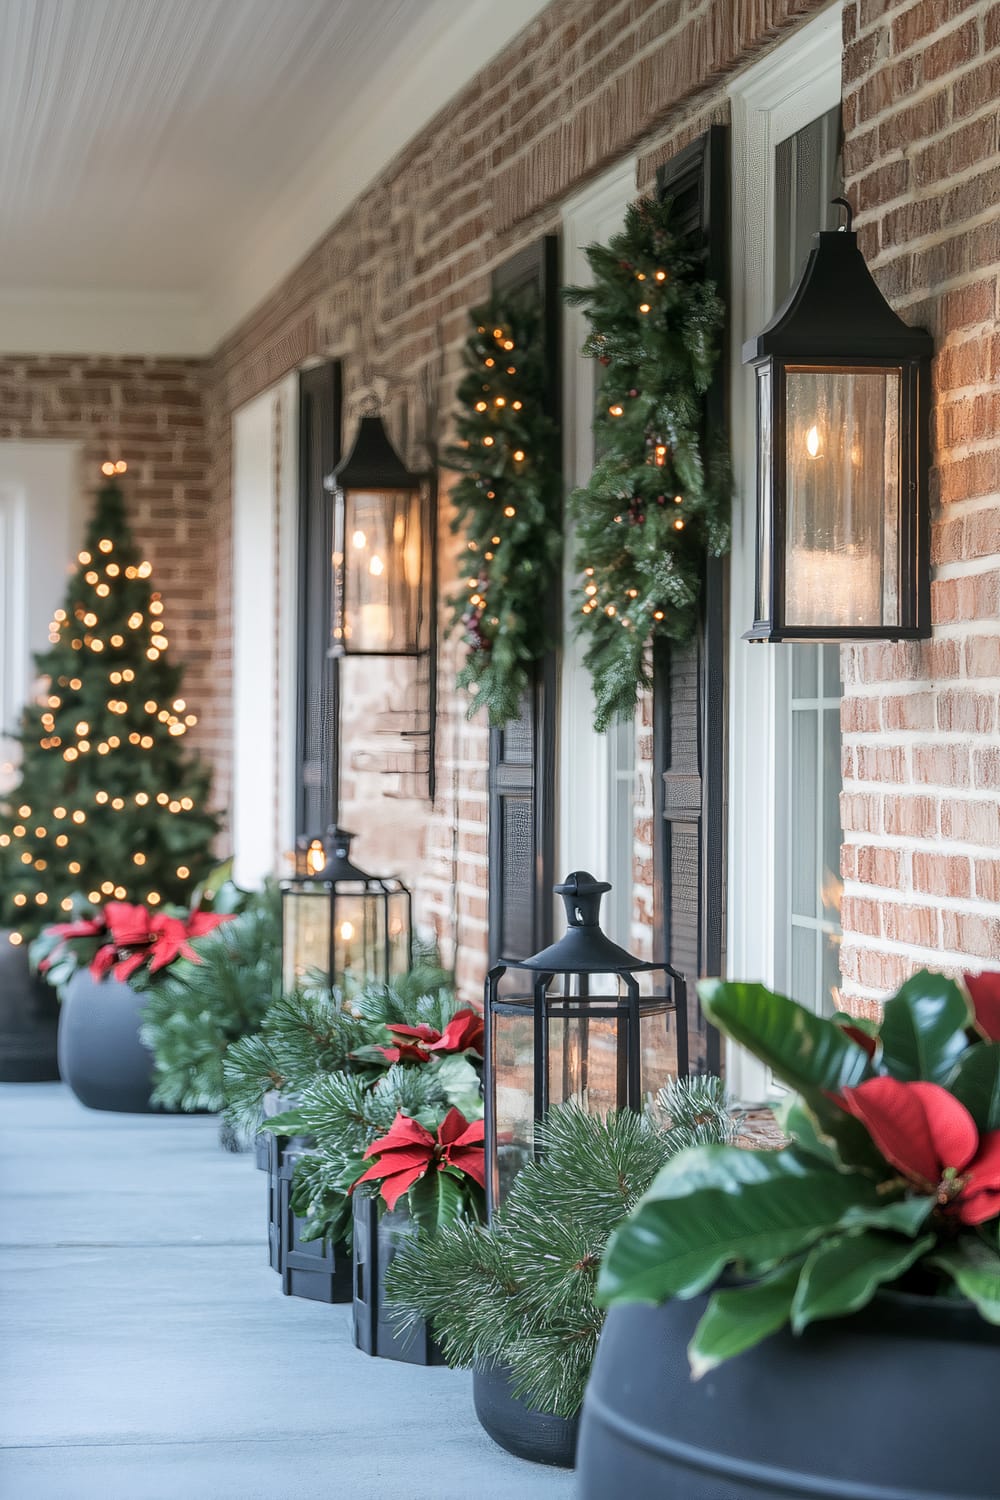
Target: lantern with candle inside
[[381, 550], [842, 396], [337, 921], [583, 1022]]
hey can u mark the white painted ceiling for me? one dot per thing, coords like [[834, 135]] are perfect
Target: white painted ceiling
[[164, 162]]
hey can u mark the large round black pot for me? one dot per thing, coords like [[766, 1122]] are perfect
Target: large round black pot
[[535, 1435], [100, 1054], [27, 1018], [896, 1403]]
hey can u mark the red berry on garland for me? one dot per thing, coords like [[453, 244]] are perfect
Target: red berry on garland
[[605, 359], [633, 393]]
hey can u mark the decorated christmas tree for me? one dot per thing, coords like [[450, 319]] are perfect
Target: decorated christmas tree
[[110, 803]]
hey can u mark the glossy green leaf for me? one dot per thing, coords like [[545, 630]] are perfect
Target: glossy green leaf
[[805, 1051], [843, 1274], [741, 1317], [435, 1200], [975, 1269], [459, 1082], [905, 1216], [799, 1122], [715, 1205], [923, 1029], [289, 1122], [976, 1082]]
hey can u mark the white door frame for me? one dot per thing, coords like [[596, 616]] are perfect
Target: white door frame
[[770, 101], [265, 633], [582, 835]]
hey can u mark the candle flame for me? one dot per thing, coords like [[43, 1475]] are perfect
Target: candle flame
[[315, 857]]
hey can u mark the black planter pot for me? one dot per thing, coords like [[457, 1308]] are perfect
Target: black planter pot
[[28, 1019], [535, 1435], [100, 1055], [309, 1268], [892, 1404], [376, 1241]]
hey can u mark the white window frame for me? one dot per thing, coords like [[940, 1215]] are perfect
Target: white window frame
[[587, 838], [265, 629], [778, 96]]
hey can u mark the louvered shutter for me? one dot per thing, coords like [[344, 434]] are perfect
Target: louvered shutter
[[523, 752], [316, 740], [689, 699]]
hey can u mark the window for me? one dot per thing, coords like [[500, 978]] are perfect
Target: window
[[783, 822]]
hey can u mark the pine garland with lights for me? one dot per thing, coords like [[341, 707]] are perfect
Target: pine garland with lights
[[521, 1291], [507, 504], [659, 496], [109, 803]]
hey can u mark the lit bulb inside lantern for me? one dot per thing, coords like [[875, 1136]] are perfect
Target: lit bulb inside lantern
[[376, 567], [813, 444], [315, 857], [359, 539], [346, 931]]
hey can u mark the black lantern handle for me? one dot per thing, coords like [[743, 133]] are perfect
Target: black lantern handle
[[849, 211]]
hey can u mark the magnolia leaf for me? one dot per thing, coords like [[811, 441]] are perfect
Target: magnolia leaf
[[975, 1269], [435, 1200], [716, 1205], [923, 1029], [290, 1122], [803, 1050], [976, 1083], [798, 1121], [738, 1319], [905, 1215], [459, 1082], [843, 1274]]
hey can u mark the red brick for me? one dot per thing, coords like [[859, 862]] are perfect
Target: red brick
[[950, 52], [908, 711], [874, 865], [859, 715], [972, 822], [958, 709], [975, 597], [941, 765], [982, 656], [986, 769], [971, 933], [987, 873], [860, 812], [880, 763], [861, 915], [920, 925], [942, 874], [913, 817]]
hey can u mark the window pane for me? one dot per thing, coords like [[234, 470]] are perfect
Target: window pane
[[804, 664], [803, 979], [804, 885]]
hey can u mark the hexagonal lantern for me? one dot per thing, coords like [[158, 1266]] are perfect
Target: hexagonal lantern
[[572, 1023]]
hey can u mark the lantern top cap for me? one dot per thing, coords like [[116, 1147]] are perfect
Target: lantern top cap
[[836, 311], [373, 463], [584, 948]]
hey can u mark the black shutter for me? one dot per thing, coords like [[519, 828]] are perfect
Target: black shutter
[[522, 765], [316, 744], [689, 698]]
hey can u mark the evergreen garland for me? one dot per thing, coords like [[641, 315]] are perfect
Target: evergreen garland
[[659, 497], [507, 504], [520, 1292]]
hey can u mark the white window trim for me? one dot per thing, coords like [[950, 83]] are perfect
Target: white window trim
[[790, 87], [583, 834], [265, 613]]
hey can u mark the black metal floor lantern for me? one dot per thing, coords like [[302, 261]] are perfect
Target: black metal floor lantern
[[339, 922], [594, 1038], [842, 391], [381, 550]]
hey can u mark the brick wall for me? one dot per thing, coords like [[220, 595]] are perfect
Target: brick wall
[[388, 288], [151, 412], [921, 757]]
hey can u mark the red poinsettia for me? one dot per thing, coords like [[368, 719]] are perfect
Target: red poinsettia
[[138, 936], [408, 1152], [856, 1034], [931, 1138], [463, 1033], [984, 992]]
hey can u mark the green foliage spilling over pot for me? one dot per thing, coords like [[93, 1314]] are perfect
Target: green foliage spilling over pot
[[508, 504], [195, 1009], [659, 496], [891, 1177], [520, 1292]]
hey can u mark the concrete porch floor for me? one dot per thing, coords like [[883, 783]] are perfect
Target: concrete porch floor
[[148, 1354]]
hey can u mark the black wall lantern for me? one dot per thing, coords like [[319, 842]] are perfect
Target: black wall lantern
[[339, 922], [574, 1025], [381, 550], [842, 393]]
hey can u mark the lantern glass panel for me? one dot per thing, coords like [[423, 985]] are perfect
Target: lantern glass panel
[[305, 939], [358, 937], [380, 555], [657, 1047], [764, 492], [512, 1047], [586, 1059], [398, 905], [842, 479]]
